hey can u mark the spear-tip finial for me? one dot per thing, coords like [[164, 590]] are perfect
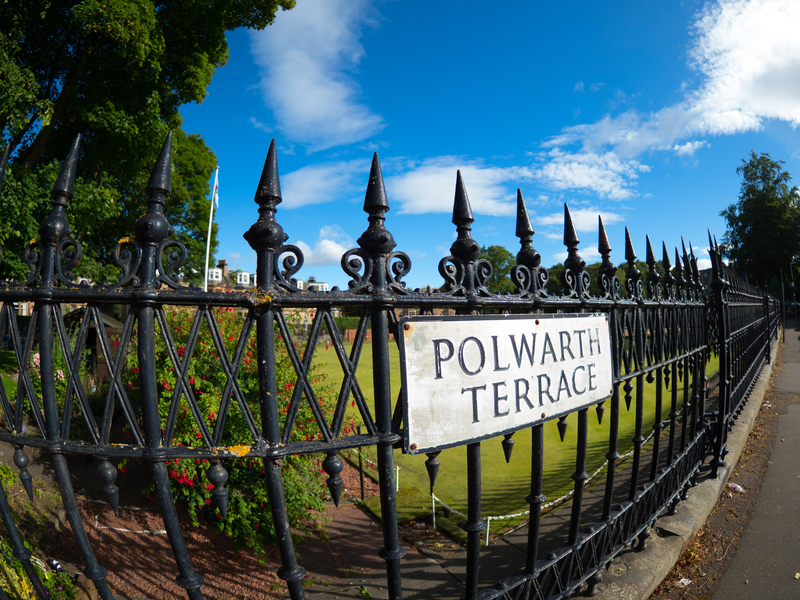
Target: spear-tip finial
[[65, 184], [375, 197], [651, 258], [570, 235], [462, 211], [603, 245], [524, 227], [269, 186], [630, 253], [161, 177], [665, 257]]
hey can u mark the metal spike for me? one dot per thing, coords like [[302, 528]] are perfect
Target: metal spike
[[570, 235], [651, 259], [603, 245], [333, 465], [667, 373], [269, 186], [108, 473], [432, 465], [524, 227], [376, 192], [217, 475], [710, 242], [600, 409], [65, 184], [562, 427], [527, 256], [508, 446], [462, 211], [161, 176], [22, 461], [665, 258], [630, 253]]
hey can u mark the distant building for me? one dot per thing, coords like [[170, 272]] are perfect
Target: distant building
[[312, 285]]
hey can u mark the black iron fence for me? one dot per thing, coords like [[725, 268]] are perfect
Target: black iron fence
[[664, 330]]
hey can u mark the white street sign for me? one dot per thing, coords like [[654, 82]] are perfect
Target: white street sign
[[468, 378]]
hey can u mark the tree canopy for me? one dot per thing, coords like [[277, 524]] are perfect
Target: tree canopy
[[763, 227], [116, 72], [502, 261]]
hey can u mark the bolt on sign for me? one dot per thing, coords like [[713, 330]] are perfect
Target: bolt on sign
[[468, 378]]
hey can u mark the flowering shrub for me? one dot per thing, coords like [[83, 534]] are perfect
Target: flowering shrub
[[248, 519], [59, 585]]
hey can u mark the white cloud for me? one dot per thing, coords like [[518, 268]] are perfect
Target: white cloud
[[306, 59], [259, 125], [703, 263], [578, 87], [430, 186], [584, 219], [604, 174], [747, 53], [689, 148], [589, 255], [332, 243], [324, 182]]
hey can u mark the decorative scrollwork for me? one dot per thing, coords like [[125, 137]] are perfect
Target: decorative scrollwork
[[176, 255], [577, 283], [634, 287], [354, 261], [465, 278], [32, 255], [398, 265], [453, 273], [530, 282], [68, 254], [127, 255], [483, 272], [610, 285], [288, 261]]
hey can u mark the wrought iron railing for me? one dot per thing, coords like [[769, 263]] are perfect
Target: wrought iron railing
[[664, 328]]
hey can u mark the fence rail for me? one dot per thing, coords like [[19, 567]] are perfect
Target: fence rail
[[664, 328]]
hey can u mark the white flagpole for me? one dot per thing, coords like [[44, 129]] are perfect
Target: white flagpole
[[210, 220]]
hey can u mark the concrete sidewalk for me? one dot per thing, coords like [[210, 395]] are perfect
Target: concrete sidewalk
[[768, 558]]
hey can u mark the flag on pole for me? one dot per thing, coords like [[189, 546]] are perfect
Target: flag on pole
[[216, 192]]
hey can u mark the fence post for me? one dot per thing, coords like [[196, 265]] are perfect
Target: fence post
[[375, 253], [767, 328], [719, 305], [266, 237]]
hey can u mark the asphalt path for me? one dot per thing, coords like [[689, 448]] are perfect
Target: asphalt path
[[767, 564]]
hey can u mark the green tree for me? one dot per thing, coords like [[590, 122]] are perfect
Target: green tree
[[116, 72], [763, 227], [502, 261]]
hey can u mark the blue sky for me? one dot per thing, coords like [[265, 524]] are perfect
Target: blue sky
[[638, 111]]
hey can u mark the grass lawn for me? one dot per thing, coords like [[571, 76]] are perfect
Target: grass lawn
[[505, 486]]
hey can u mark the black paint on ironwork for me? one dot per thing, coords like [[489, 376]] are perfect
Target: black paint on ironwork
[[663, 332]]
